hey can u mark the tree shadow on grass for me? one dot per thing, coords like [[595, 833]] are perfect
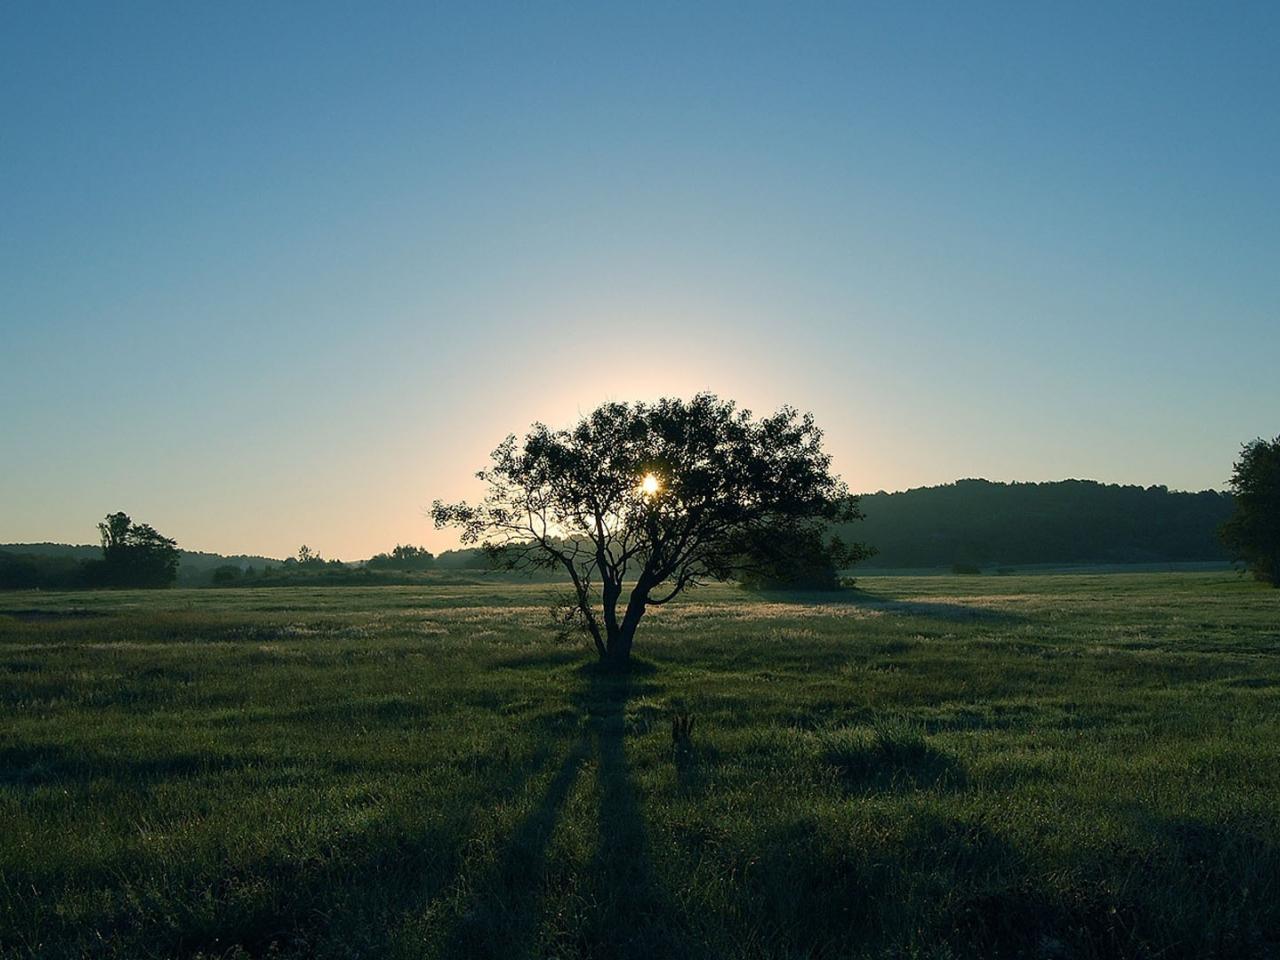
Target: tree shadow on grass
[[936, 610], [626, 914], [505, 916], [878, 603], [634, 917], [371, 886]]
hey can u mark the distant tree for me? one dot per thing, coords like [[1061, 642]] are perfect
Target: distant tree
[[403, 557], [133, 555], [226, 573], [656, 497], [411, 557], [19, 572], [309, 557], [25, 571], [1253, 532]]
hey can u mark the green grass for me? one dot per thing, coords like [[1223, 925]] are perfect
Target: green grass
[[1053, 766]]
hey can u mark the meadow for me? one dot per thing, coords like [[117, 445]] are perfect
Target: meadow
[[937, 767]]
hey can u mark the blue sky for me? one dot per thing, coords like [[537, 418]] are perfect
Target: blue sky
[[274, 273]]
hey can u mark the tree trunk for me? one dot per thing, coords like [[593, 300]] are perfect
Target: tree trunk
[[621, 640], [611, 592]]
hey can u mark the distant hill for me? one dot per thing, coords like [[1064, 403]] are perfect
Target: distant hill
[[981, 522], [195, 567], [75, 551]]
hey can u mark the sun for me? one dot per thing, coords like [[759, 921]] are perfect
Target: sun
[[650, 484]]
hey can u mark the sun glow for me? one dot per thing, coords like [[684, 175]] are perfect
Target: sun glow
[[650, 484]]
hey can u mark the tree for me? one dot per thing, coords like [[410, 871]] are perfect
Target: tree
[[133, 555], [402, 557], [1253, 532], [658, 498], [406, 553], [308, 557]]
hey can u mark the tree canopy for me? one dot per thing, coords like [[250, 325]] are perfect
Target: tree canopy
[[403, 557], [133, 555], [656, 497], [1253, 532]]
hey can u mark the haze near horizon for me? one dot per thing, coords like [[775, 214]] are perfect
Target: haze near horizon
[[288, 274]]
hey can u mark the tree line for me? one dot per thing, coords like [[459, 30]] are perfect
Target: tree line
[[984, 523], [61, 566]]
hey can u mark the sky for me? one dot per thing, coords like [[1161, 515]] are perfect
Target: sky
[[274, 274]]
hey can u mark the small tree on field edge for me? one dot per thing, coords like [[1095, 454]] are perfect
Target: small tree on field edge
[[1253, 532]]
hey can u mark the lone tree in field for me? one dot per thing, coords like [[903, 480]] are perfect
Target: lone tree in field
[[1253, 533], [656, 498]]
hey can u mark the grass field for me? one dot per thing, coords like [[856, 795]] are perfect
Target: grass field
[[1083, 766]]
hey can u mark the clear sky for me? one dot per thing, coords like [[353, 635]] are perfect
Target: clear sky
[[278, 273]]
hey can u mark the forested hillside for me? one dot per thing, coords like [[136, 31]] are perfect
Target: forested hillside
[[1061, 522]]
